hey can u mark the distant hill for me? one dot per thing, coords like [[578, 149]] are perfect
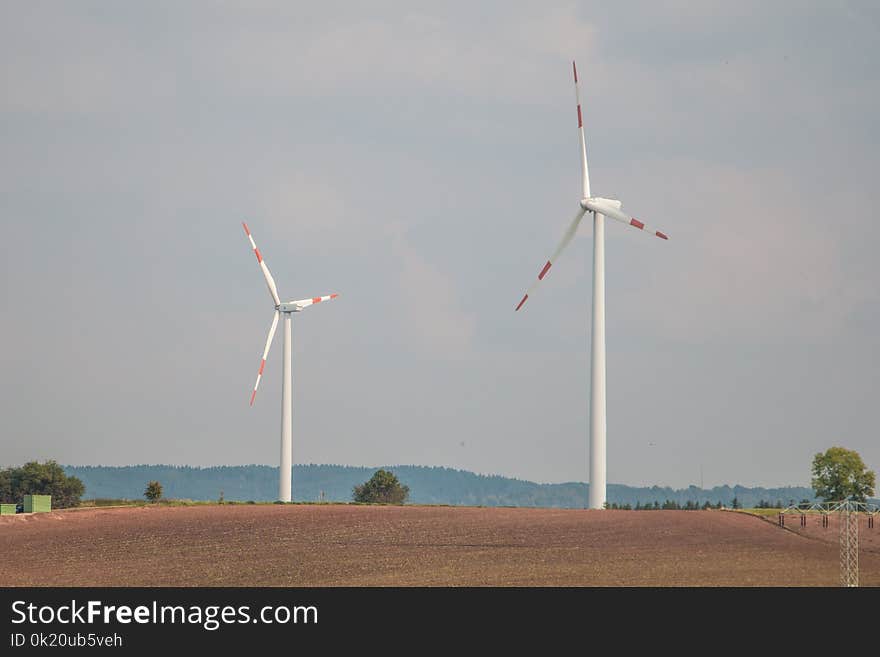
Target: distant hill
[[428, 485]]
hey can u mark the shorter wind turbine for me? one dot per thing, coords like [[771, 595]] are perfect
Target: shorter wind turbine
[[286, 309]]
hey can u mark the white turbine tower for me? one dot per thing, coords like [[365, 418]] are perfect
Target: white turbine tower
[[286, 309], [601, 208]]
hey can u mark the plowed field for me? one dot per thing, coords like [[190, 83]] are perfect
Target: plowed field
[[340, 545]]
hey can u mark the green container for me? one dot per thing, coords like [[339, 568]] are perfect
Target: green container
[[7, 509], [37, 503]]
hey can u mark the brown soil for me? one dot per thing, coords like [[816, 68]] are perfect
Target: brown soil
[[338, 545]]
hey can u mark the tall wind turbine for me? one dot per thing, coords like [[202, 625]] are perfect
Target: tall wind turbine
[[601, 208], [286, 309]]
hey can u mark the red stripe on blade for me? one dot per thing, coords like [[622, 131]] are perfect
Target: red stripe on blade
[[544, 271], [333, 296], [575, 69], [253, 394], [662, 236], [259, 257], [522, 302], [262, 365], [245, 228], [638, 224], [316, 300], [580, 118]]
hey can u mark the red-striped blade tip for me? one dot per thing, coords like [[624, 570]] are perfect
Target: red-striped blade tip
[[334, 295], [246, 230], [662, 236], [522, 302], [253, 394], [544, 271], [638, 224], [575, 69]]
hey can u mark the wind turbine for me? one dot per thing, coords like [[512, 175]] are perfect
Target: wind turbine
[[286, 309], [601, 208]]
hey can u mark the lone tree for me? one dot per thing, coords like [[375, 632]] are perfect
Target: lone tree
[[840, 474], [35, 478], [382, 488], [153, 493]]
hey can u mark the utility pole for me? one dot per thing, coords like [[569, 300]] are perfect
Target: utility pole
[[849, 544]]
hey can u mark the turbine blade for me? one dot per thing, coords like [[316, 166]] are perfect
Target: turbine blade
[[265, 354], [585, 172], [304, 303], [566, 238], [602, 206], [273, 290]]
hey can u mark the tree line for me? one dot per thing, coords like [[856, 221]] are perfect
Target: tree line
[[691, 505], [428, 485], [838, 474]]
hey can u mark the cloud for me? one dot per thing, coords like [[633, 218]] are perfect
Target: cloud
[[420, 161], [314, 212], [751, 259], [430, 50], [280, 52], [432, 305]]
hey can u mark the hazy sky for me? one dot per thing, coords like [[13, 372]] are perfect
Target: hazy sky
[[421, 160]]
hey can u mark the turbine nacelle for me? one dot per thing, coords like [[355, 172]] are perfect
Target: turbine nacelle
[[597, 204]]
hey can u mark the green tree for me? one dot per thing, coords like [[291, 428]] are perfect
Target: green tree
[[382, 488], [840, 474], [735, 504], [153, 492], [35, 478], [6, 495]]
